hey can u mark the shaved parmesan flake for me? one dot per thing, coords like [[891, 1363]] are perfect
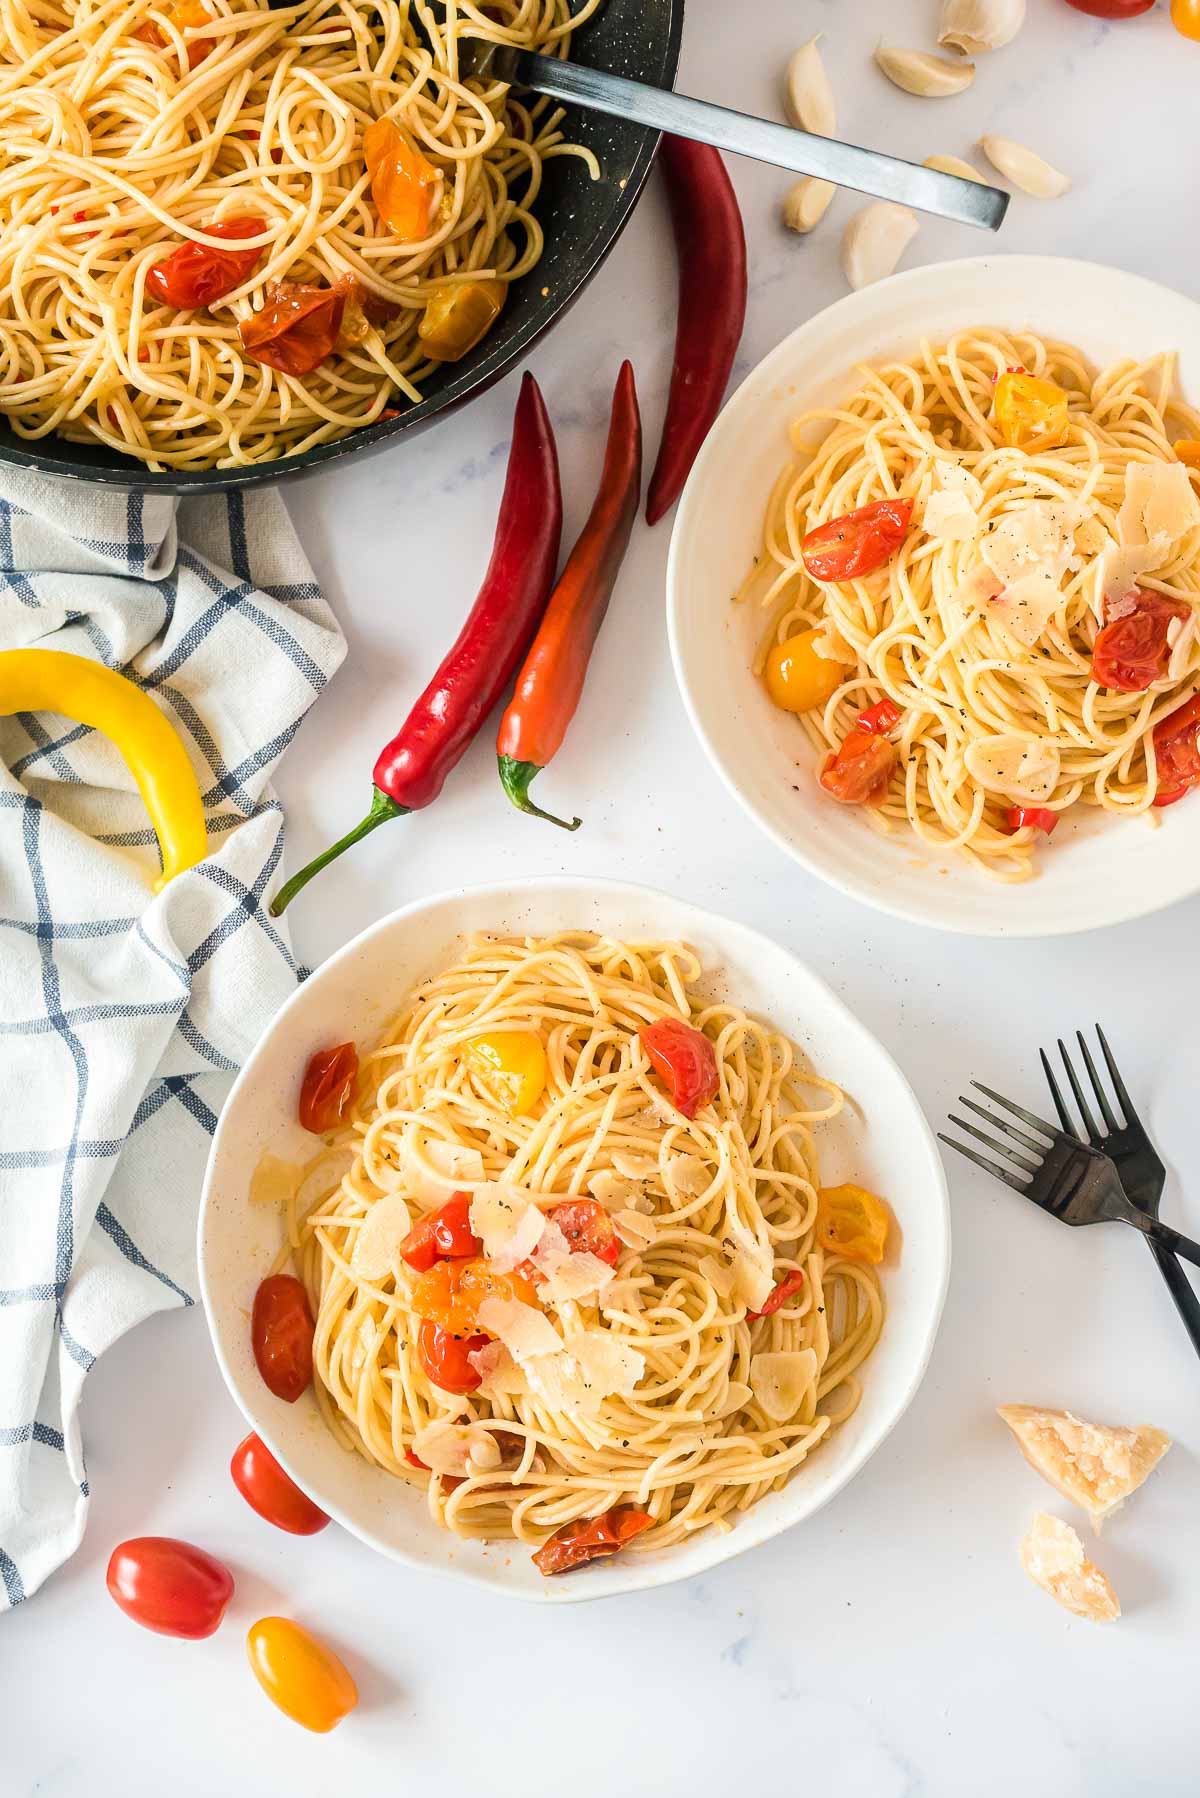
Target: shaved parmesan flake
[[524, 1331], [376, 1249], [1027, 605], [831, 646], [569, 1274], [719, 1275], [950, 517], [1125, 607], [1052, 1555], [499, 1374], [634, 1230], [434, 1169], [446, 1448], [633, 1166], [1017, 766], [972, 594], [1182, 646], [595, 1366], [753, 1278], [1159, 503], [362, 1345], [274, 1181], [780, 1382], [688, 1175], [611, 1190], [507, 1224]]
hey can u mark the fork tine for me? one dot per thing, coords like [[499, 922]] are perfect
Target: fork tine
[[1060, 1104], [989, 1167], [1030, 1142], [1026, 1117], [1022, 1161], [1131, 1116], [1106, 1109], [1089, 1122]]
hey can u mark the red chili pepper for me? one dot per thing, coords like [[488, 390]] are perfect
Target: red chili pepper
[[879, 719], [549, 685], [1036, 817], [412, 768], [710, 244], [786, 1287]]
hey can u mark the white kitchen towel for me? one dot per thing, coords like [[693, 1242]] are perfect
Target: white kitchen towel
[[125, 1013]]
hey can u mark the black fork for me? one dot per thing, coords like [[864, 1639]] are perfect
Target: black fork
[[1129, 1148]]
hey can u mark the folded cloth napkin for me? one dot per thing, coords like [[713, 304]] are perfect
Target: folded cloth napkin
[[124, 1013]]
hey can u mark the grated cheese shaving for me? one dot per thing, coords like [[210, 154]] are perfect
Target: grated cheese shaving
[[524, 1331], [507, 1224], [435, 1168], [376, 1249]]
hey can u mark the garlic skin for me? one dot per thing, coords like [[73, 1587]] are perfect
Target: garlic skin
[[973, 26], [805, 204], [954, 165], [1024, 168], [929, 77], [874, 241], [808, 97]]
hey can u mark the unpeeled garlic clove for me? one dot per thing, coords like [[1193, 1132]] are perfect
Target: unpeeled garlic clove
[[954, 165], [875, 240], [806, 204], [975, 25], [808, 97], [1026, 170], [929, 77]]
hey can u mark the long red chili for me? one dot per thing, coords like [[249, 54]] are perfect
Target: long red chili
[[549, 685], [412, 768], [710, 244]]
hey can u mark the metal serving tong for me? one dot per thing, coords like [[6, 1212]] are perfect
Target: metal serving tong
[[949, 196], [1114, 1175]]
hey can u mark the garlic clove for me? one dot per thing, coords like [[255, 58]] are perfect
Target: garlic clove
[[806, 204], [1026, 170], [975, 25], [874, 241], [954, 165], [929, 77], [808, 97]]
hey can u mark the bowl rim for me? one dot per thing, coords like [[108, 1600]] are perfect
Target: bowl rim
[[671, 1569], [463, 387], [763, 375]]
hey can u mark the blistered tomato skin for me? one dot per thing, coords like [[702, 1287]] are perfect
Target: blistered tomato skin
[[299, 1674], [168, 1586]]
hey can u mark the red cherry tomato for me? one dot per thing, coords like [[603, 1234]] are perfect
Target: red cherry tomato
[[281, 1332], [168, 1586], [295, 328], [786, 1287], [587, 1225], [857, 544], [1112, 9], [327, 1088], [444, 1357], [860, 772], [298, 1673], [1133, 650], [879, 719], [684, 1060], [195, 275], [445, 1235], [1032, 817], [271, 1492], [1177, 752], [589, 1538]]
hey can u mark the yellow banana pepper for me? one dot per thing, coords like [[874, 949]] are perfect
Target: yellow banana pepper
[[49, 680]]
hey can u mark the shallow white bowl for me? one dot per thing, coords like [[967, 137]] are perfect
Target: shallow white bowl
[[883, 1140], [1098, 870]]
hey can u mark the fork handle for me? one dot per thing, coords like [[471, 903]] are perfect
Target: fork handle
[[1181, 1289], [1164, 1236]]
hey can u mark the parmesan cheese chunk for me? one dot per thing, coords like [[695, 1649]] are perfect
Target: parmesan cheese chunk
[[1052, 1555], [780, 1382], [376, 1251], [1095, 1465]]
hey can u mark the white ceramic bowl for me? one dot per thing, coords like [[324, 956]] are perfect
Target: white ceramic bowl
[[883, 1140], [1097, 871]]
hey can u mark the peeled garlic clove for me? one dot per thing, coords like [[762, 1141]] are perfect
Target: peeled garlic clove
[[954, 165], [808, 98], [875, 240], [929, 77], [1026, 170], [975, 25], [806, 204]]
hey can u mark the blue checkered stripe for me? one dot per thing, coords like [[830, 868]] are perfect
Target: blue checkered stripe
[[124, 1015]]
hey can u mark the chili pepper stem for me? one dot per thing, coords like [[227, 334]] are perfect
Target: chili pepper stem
[[515, 778], [382, 811]]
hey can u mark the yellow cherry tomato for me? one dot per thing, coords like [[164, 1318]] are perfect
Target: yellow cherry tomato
[[852, 1222], [299, 1674], [798, 679], [1185, 16], [511, 1064], [1188, 452], [458, 315], [405, 186], [1029, 411]]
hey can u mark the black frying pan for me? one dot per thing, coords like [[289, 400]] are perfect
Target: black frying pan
[[582, 219]]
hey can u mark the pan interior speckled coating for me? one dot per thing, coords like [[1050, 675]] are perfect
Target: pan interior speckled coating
[[581, 219]]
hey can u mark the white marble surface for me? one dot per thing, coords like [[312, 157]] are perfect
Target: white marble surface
[[891, 1646]]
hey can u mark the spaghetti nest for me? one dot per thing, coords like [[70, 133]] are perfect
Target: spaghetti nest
[[698, 1433], [987, 702], [130, 126]]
